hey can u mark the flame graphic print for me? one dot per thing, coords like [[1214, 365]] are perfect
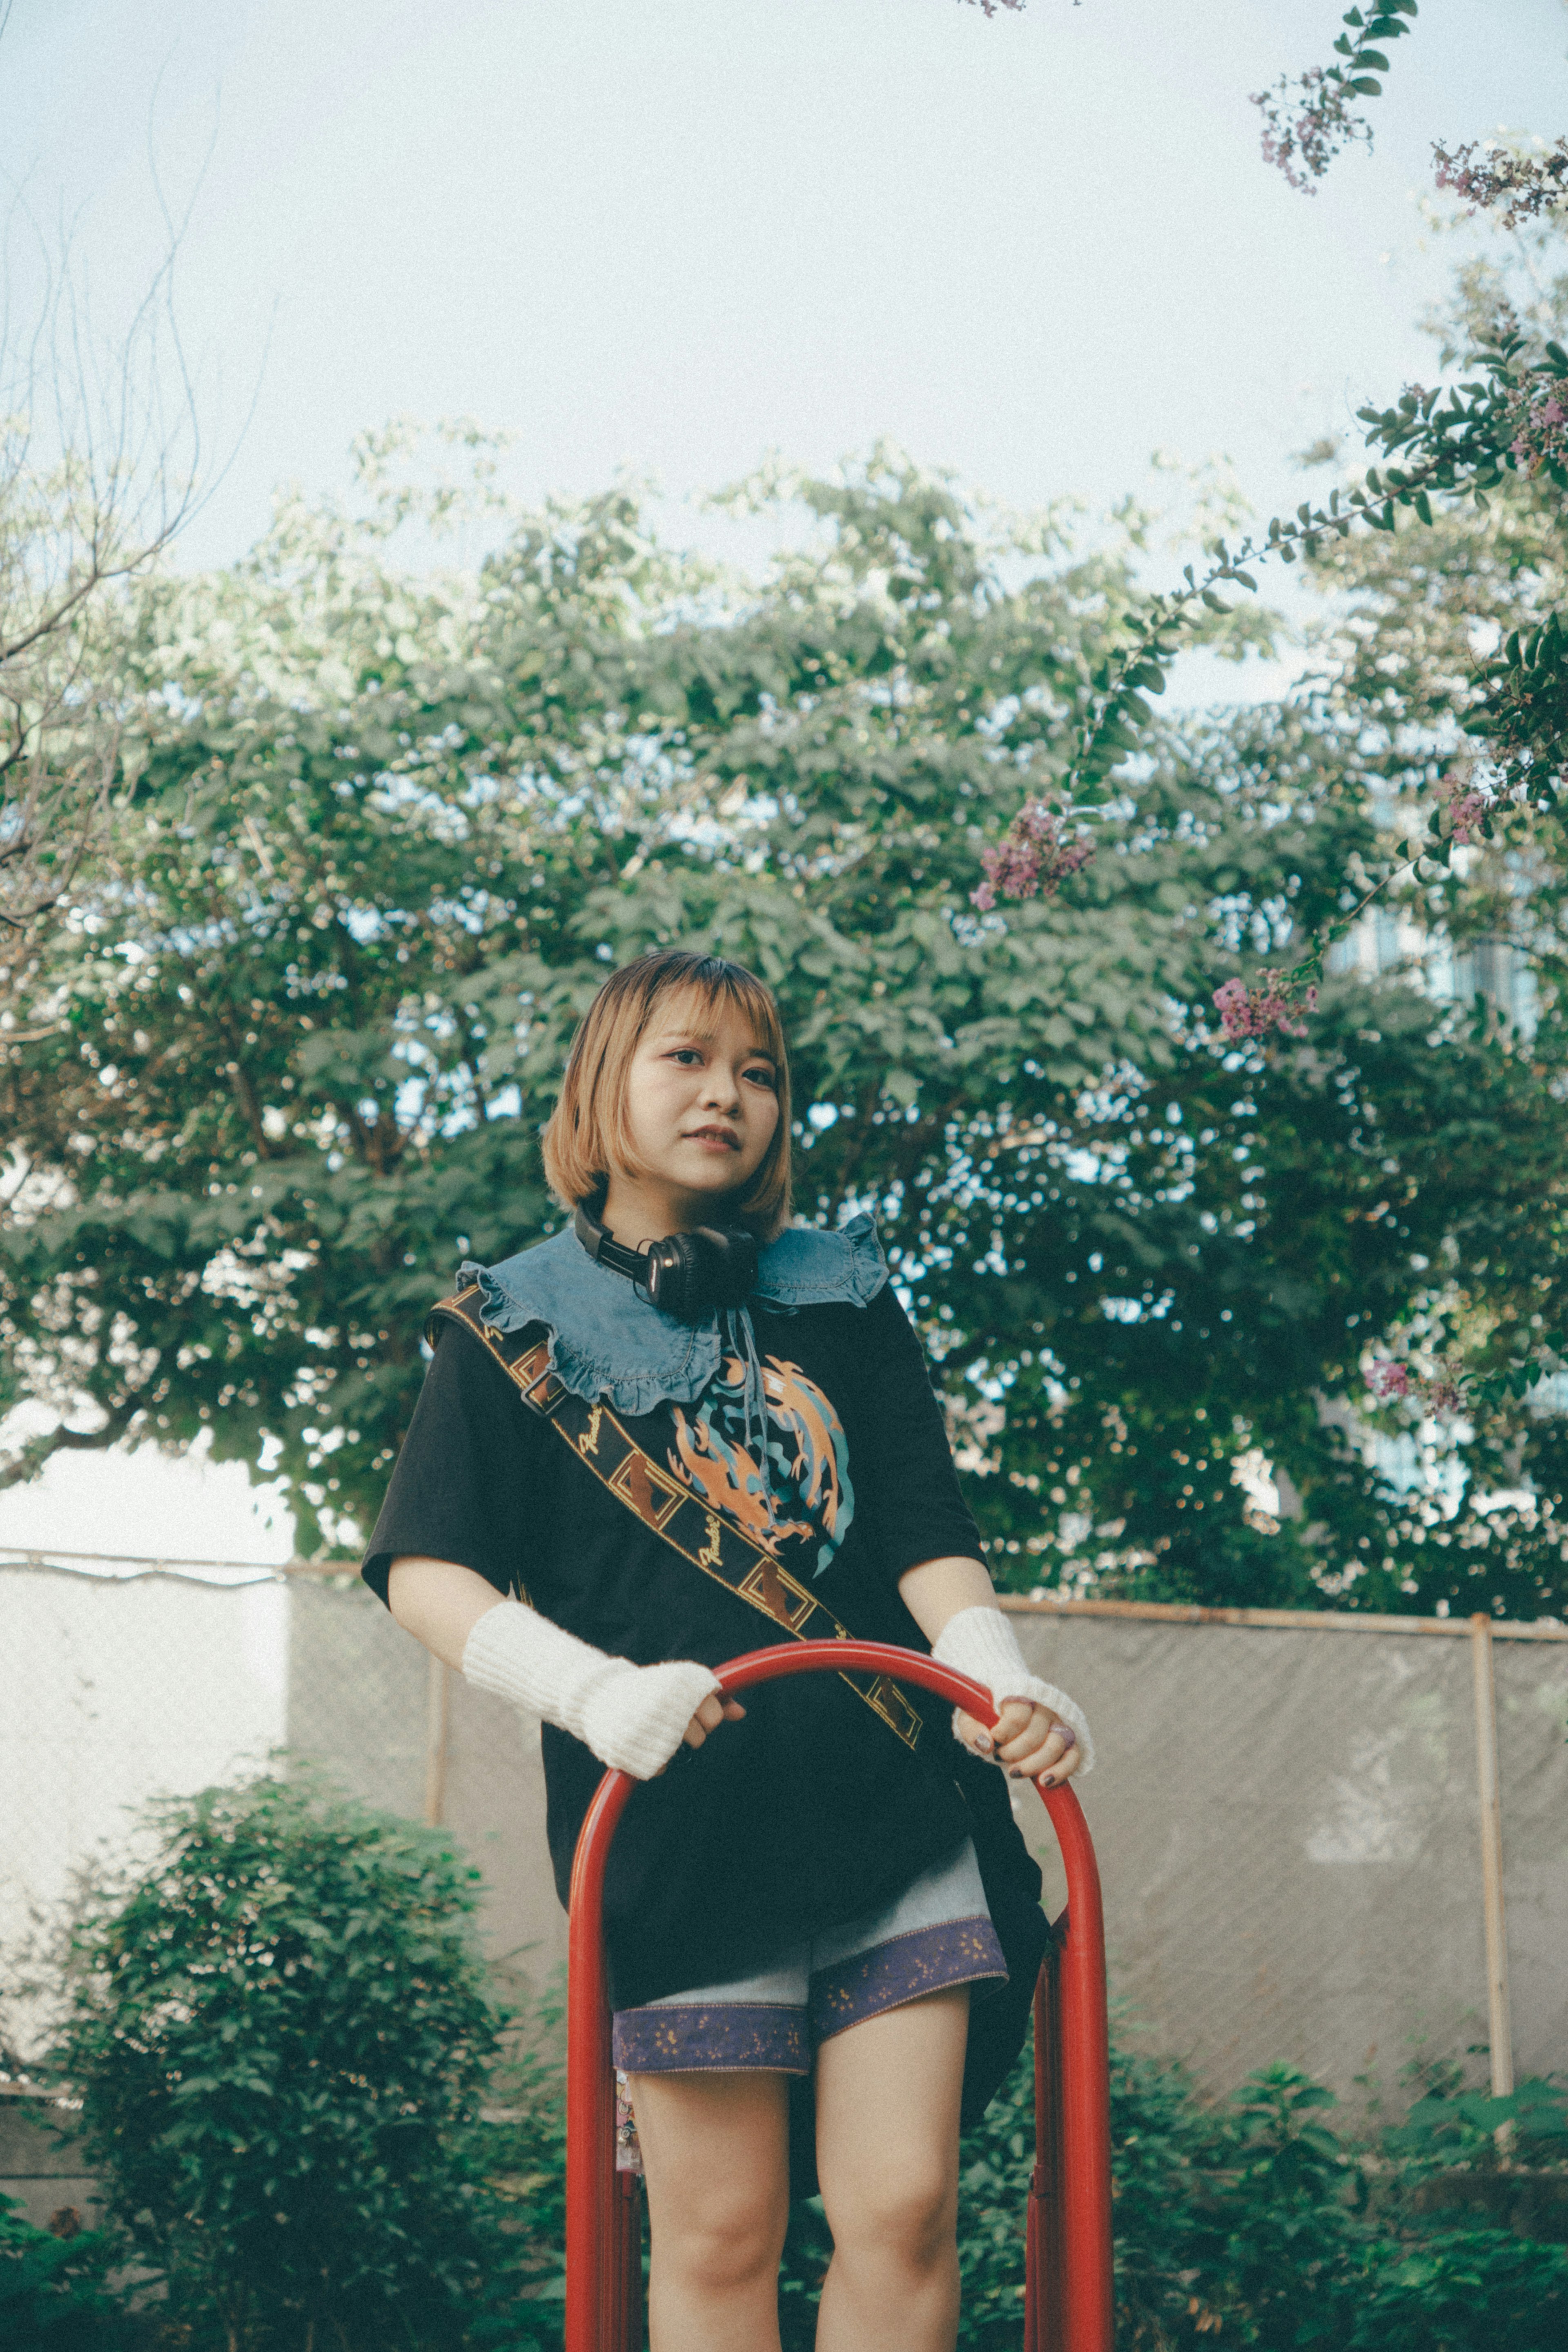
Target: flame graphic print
[[806, 1499]]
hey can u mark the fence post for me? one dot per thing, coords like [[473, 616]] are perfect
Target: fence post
[[1499, 2024], [436, 1710]]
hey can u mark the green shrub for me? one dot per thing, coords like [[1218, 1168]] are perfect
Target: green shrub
[[1253, 2224], [281, 2033], [1463, 2291], [280, 2037], [527, 2173], [54, 2291]]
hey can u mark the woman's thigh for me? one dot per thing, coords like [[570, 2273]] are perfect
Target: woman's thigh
[[716, 2153], [888, 2095]]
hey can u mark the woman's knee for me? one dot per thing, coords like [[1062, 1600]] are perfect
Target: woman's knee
[[906, 2211], [723, 2245]]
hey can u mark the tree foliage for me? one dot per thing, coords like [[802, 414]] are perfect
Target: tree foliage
[[383, 834]]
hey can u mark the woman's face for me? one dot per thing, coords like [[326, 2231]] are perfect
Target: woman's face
[[702, 1105]]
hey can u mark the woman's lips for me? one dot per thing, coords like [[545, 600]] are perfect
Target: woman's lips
[[714, 1139]]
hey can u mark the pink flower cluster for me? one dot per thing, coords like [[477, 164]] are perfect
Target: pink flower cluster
[[1528, 184], [1466, 810], [1303, 141], [1252, 1012], [1538, 412], [1038, 853], [1441, 1395]]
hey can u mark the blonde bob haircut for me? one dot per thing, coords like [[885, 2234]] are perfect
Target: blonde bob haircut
[[586, 1133]]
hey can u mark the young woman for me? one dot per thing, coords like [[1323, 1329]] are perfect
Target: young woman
[[676, 1417]]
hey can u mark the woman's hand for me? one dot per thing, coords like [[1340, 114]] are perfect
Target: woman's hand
[[713, 1711], [1029, 1742]]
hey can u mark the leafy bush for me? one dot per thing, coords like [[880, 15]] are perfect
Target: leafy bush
[[55, 2294], [281, 2033], [1256, 2223], [527, 2175], [280, 2037]]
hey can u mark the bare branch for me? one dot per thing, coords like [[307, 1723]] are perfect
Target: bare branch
[[34, 1451], [99, 470]]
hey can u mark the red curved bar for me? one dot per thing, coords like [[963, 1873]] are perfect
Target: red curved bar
[[597, 2218]]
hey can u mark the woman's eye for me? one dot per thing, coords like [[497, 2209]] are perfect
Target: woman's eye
[[761, 1077]]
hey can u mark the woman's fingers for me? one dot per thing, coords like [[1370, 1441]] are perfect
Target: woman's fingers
[[974, 1735], [713, 1711], [1017, 1720], [1057, 1761], [1013, 1717], [1030, 1741]]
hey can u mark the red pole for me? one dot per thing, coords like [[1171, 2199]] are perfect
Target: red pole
[[1084, 2042], [626, 2330], [593, 2305], [1042, 2229], [591, 2274]]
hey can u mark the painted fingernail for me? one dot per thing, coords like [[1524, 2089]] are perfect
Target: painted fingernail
[[983, 1742], [1047, 1779], [1015, 1773]]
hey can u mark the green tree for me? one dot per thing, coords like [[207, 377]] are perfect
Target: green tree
[[383, 834]]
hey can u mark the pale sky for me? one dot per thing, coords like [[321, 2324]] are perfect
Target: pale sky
[[675, 234]]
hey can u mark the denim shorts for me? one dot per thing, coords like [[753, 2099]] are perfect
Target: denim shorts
[[938, 1933]]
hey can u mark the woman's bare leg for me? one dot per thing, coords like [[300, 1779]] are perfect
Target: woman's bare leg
[[887, 2157], [715, 2153]]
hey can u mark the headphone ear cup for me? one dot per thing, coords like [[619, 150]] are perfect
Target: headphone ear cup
[[675, 1283], [728, 1264], [691, 1274]]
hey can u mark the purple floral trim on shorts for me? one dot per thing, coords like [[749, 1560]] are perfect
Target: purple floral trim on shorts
[[673, 2037], [926, 1960]]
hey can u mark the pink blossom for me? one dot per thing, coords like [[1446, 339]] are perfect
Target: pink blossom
[[1252, 1012], [1527, 185], [1441, 1394], [1538, 414], [1036, 855], [1302, 135], [1466, 810], [1459, 177]]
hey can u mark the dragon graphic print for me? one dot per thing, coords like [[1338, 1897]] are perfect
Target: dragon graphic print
[[787, 1483]]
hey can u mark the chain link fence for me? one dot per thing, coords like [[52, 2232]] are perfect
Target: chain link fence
[[1288, 1814], [1287, 1810]]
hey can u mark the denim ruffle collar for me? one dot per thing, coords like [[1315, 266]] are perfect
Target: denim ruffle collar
[[606, 1339]]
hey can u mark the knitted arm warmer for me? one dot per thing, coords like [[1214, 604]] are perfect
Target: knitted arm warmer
[[980, 1642], [632, 1717]]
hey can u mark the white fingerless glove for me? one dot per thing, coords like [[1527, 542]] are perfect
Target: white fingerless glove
[[632, 1717], [981, 1643]]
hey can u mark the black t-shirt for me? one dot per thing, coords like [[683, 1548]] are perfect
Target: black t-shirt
[[811, 1811]]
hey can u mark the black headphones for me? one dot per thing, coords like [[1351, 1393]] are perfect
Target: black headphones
[[686, 1274]]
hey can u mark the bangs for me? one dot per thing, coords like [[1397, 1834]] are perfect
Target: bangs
[[693, 1005]]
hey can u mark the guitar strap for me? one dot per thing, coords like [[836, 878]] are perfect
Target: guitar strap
[[710, 1540]]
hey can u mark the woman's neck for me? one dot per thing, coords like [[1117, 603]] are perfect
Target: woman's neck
[[637, 1211]]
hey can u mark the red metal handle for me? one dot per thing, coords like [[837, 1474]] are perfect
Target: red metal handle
[[593, 2285]]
